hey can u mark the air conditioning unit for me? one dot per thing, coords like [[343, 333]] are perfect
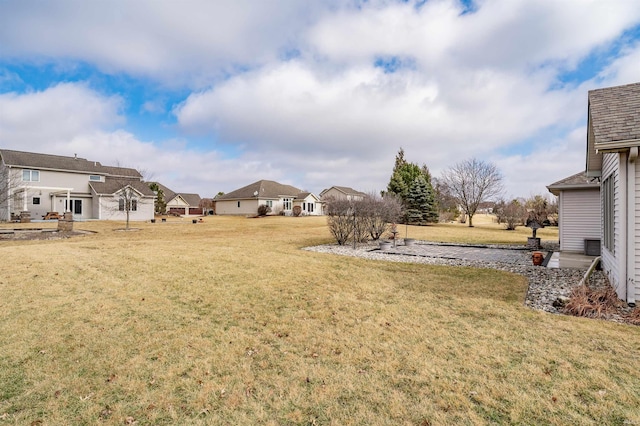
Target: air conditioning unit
[[592, 247]]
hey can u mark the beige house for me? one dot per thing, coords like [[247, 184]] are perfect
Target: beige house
[[579, 213], [613, 142], [40, 183], [280, 198], [180, 202], [342, 192]]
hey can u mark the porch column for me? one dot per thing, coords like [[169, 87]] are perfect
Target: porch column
[[68, 209], [24, 200]]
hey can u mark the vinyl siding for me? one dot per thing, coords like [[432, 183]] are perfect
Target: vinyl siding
[[579, 218], [230, 207], [109, 209], [609, 259]]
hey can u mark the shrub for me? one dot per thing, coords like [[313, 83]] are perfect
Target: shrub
[[339, 219], [592, 303], [362, 219], [263, 210], [511, 214], [297, 210]]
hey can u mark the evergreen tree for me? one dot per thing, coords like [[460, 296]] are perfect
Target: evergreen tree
[[403, 182], [160, 205], [421, 203]]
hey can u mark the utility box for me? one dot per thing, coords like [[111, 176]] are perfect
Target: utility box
[[592, 247]]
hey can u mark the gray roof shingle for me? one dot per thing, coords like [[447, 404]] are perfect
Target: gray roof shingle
[[577, 181], [615, 113], [261, 189], [112, 185], [58, 162]]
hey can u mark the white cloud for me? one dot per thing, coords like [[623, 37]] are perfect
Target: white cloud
[[184, 42], [292, 87], [54, 115]]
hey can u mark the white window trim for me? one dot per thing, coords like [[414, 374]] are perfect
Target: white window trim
[[31, 173]]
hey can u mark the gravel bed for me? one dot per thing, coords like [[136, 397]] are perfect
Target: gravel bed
[[546, 285]]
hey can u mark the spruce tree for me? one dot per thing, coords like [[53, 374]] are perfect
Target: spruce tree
[[420, 206], [417, 201]]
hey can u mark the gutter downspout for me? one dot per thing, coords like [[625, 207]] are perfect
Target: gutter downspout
[[621, 248], [631, 226]]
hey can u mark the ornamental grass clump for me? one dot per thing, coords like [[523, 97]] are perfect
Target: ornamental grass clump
[[592, 303]]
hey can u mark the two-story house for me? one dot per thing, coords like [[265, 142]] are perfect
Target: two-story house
[[42, 183]]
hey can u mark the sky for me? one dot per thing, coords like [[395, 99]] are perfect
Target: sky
[[207, 96]]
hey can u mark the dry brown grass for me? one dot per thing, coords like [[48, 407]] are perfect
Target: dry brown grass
[[229, 322]]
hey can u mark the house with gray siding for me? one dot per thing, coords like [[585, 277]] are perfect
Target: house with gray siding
[[613, 141], [579, 213]]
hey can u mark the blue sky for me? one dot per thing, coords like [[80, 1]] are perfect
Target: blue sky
[[208, 96]]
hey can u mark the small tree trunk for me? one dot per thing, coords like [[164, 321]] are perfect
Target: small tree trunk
[[470, 221]]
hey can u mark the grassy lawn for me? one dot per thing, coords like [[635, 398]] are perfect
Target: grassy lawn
[[229, 322]]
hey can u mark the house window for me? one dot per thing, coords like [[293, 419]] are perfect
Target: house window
[[75, 206], [133, 205], [286, 202], [36, 201], [238, 204], [269, 203], [608, 211], [310, 207], [95, 178], [31, 176]]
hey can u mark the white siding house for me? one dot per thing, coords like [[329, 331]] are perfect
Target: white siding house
[[37, 184], [613, 141], [579, 213], [280, 198]]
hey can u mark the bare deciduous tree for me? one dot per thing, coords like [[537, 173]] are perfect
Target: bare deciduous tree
[[471, 182], [129, 191], [361, 219], [379, 212], [10, 181], [511, 214], [339, 219]]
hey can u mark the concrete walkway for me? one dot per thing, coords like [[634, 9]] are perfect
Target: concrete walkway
[[512, 256], [570, 260]]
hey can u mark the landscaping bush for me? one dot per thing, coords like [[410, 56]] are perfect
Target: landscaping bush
[[339, 219], [511, 214], [297, 210], [263, 210], [592, 303], [362, 219]]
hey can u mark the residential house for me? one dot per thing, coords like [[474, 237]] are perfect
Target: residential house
[[41, 183], [342, 192], [181, 203], [613, 139], [280, 198], [579, 213]]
